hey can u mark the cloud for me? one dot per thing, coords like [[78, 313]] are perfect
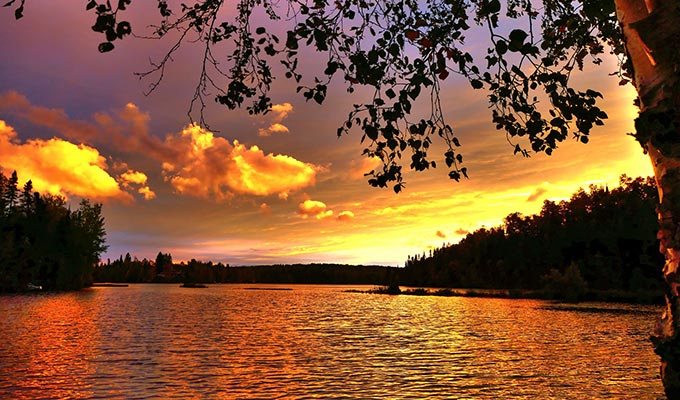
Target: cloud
[[536, 195], [319, 210], [279, 112], [126, 129], [265, 209], [273, 128], [146, 192], [282, 110], [313, 208], [59, 167], [193, 161], [461, 231], [132, 178], [358, 168], [209, 166], [441, 234], [346, 216]]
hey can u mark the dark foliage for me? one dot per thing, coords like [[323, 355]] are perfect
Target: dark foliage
[[44, 243], [599, 239]]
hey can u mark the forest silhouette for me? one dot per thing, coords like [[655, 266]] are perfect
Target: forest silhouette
[[598, 240], [43, 243]]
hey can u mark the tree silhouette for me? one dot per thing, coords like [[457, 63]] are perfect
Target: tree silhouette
[[401, 51], [43, 242], [609, 236]]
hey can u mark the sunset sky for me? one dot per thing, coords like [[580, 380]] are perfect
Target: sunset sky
[[279, 188]]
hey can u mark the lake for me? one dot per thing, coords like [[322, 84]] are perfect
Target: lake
[[250, 341]]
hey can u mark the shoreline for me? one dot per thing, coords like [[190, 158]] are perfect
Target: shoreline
[[608, 296], [605, 296]]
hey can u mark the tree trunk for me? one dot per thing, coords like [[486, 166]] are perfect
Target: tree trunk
[[652, 32]]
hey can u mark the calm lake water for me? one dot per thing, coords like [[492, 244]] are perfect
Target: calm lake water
[[236, 341]]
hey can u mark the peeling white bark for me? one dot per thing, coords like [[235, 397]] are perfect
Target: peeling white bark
[[652, 32]]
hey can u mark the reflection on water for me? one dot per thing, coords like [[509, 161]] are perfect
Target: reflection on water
[[160, 341]]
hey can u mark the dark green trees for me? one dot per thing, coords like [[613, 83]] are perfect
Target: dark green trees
[[43, 242]]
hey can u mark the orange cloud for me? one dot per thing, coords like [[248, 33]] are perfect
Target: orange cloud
[[536, 195], [345, 216], [146, 192], [313, 208], [58, 167], [209, 166], [461, 231], [273, 128], [132, 178], [441, 234], [280, 112], [319, 210]]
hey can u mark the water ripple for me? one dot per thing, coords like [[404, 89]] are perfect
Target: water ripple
[[229, 341]]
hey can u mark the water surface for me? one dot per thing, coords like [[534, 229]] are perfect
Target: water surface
[[230, 341]]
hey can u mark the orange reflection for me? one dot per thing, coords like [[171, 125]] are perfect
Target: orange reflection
[[52, 339]]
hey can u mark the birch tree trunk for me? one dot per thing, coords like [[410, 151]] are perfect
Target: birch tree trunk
[[652, 33]]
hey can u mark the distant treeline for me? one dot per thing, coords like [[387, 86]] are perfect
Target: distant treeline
[[597, 240], [163, 270], [43, 242]]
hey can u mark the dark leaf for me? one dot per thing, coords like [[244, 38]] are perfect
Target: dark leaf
[[105, 47], [454, 175], [371, 132], [111, 34], [501, 48], [331, 68], [517, 37], [291, 41], [123, 29]]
